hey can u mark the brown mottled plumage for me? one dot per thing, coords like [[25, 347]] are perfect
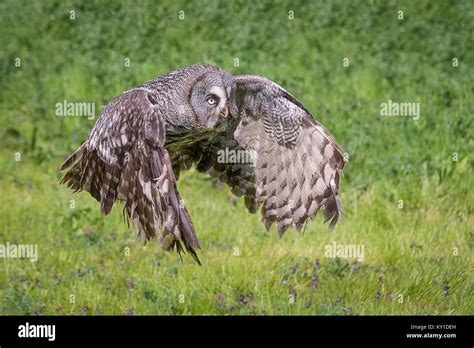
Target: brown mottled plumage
[[145, 136]]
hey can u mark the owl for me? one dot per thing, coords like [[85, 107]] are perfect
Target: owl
[[245, 131]]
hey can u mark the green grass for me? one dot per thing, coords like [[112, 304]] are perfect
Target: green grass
[[418, 258]]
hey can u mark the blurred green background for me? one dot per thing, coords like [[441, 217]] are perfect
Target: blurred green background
[[407, 190]]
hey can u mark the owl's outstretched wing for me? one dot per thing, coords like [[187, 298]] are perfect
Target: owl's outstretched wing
[[124, 159], [295, 161]]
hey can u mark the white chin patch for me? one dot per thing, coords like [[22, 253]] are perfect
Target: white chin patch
[[211, 122], [220, 92]]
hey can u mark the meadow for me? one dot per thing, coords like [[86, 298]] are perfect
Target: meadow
[[406, 191]]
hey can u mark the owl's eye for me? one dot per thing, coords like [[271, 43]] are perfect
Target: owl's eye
[[211, 100]]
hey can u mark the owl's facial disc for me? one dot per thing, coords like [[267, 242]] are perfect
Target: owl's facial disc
[[210, 99], [218, 98]]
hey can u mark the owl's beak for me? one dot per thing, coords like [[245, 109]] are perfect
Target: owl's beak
[[225, 111]]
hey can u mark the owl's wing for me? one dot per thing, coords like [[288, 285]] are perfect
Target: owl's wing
[[295, 161], [124, 159]]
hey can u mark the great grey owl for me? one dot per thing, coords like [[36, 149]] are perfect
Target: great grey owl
[[144, 137]]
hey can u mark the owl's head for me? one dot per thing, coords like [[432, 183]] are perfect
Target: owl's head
[[212, 98]]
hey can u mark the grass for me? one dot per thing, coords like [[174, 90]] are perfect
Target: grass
[[407, 190]]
